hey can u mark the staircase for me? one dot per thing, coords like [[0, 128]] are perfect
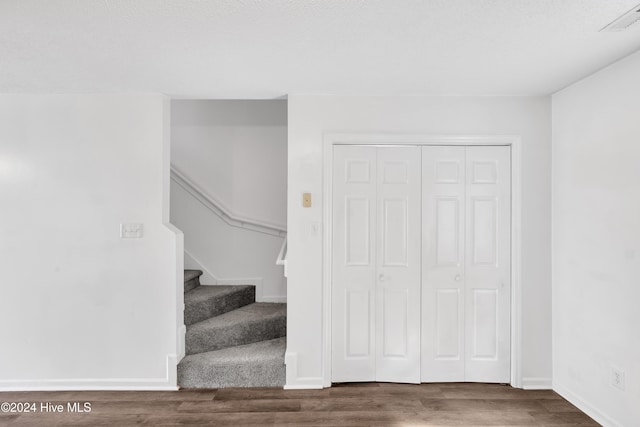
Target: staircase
[[231, 340]]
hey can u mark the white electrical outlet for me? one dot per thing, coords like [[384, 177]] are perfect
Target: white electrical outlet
[[131, 231], [617, 378]]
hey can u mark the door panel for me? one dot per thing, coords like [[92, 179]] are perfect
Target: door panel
[[466, 265], [353, 264], [488, 265], [394, 323], [448, 327], [376, 264], [358, 315], [394, 232], [485, 324], [358, 231], [398, 275], [443, 207], [483, 230], [448, 227]]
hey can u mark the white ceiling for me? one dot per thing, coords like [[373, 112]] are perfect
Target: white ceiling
[[270, 48]]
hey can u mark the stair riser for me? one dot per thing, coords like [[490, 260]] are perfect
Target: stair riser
[[241, 334], [197, 311], [191, 284], [267, 374]]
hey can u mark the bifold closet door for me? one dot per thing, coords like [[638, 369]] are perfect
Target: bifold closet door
[[376, 264], [398, 265], [443, 235], [353, 264], [466, 264]]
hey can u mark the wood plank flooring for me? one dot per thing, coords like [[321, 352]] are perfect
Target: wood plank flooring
[[367, 404]]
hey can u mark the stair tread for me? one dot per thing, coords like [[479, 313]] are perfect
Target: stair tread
[[205, 302], [248, 324], [256, 312], [191, 274], [203, 293], [269, 350]]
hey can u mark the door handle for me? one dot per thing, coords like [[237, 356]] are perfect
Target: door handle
[[381, 277], [457, 278]]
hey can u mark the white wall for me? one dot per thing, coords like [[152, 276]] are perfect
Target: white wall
[[596, 242], [310, 117], [228, 255], [79, 306], [236, 153]]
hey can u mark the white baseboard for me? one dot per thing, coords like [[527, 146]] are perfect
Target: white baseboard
[[210, 279], [254, 281], [294, 382], [88, 384], [282, 300], [308, 383], [169, 382], [182, 348], [61, 385], [172, 370], [585, 406], [536, 383]]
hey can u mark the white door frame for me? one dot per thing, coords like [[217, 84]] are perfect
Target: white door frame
[[378, 139]]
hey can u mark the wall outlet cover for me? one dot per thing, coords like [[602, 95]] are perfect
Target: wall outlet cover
[[617, 377]]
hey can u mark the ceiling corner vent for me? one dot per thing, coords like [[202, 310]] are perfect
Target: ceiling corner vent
[[625, 21]]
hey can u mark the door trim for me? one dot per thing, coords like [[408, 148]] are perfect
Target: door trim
[[394, 139]]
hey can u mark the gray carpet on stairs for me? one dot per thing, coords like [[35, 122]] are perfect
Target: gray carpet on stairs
[[253, 365], [209, 301], [231, 340], [245, 325]]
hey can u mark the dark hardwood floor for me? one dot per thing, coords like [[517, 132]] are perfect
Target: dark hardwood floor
[[369, 404]]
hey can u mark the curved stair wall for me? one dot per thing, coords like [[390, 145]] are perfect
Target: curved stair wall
[[229, 190], [229, 250]]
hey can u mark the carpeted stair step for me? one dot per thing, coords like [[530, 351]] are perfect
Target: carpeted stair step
[[191, 279], [209, 301], [245, 325], [259, 364]]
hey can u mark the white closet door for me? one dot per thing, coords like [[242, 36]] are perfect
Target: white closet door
[[443, 240], [376, 264], [398, 262], [353, 265], [488, 265], [466, 264]]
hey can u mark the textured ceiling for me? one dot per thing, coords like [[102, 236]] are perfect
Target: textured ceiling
[[267, 49]]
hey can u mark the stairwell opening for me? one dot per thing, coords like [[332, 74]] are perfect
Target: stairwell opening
[[229, 197]]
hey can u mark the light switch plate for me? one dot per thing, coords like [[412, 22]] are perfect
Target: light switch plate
[[306, 200], [131, 231]]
